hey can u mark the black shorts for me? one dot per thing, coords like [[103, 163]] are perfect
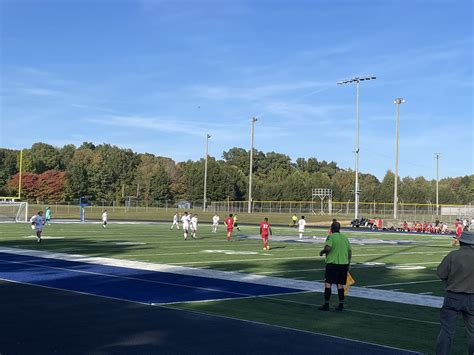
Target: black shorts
[[336, 274]]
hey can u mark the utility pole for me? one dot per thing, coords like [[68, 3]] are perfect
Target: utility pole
[[251, 163], [398, 102], [357, 81], [205, 173], [437, 156]]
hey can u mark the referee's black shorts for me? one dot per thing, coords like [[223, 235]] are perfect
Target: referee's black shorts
[[336, 274]]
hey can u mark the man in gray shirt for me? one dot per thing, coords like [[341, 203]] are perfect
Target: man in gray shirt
[[457, 272]]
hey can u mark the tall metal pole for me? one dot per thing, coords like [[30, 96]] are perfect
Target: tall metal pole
[[398, 102], [357, 80], [205, 173], [437, 156], [357, 191], [251, 164]]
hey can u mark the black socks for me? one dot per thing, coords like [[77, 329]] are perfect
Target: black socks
[[340, 293], [327, 294]]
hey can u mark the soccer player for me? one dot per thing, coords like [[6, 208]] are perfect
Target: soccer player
[[37, 222], [301, 225], [338, 257], [47, 216], [175, 221], [236, 224], [215, 223], [265, 230], [229, 221], [294, 220], [459, 229], [105, 217], [185, 219], [380, 224], [194, 226]]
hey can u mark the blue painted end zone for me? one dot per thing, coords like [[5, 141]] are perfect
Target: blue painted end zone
[[125, 283]]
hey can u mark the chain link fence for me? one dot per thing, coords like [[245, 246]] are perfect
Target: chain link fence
[[406, 211], [149, 210]]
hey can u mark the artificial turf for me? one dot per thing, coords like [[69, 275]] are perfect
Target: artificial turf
[[404, 326]]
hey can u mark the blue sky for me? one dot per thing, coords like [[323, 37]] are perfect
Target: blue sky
[[156, 76]]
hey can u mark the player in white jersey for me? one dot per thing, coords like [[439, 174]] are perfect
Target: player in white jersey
[[175, 221], [215, 223], [194, 225], [105, 217], [301, 225], [185, 219], [37, 223]]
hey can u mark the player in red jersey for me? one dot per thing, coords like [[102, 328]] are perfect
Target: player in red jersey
[[265, 231], [229, 221], [459, 229]]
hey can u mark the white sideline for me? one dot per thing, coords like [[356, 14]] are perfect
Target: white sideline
[[314, 286]]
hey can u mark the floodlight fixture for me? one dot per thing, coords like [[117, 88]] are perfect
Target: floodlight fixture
[[398, 102], [357, 81], [252, 129]]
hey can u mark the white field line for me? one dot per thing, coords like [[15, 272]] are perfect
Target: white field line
[[368, 293], [356, 311], [404, 283], [292, 257], [72, 291], [352, 267], [270, 296]]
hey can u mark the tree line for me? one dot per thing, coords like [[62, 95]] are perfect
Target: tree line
[[109, 173]]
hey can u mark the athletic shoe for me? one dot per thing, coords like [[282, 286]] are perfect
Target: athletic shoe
[[340, 307], [268, 248], [324, 307], [39, 240]]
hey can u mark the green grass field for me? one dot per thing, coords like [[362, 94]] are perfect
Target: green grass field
[[394, 324]]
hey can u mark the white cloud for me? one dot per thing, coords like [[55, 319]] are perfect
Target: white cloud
[[41, 92], [218, 92]]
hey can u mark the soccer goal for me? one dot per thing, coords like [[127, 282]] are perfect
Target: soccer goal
[[13, 211]]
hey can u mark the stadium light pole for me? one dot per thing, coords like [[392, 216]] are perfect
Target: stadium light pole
[[357, 81], [398, 102], [437, 156], [254, 119], [205, 173]]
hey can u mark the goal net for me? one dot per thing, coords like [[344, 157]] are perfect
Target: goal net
[[13, 211]]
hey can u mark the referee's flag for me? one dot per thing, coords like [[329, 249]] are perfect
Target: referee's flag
[[349, 282]]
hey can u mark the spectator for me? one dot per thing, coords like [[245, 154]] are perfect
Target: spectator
[[457, 273]]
